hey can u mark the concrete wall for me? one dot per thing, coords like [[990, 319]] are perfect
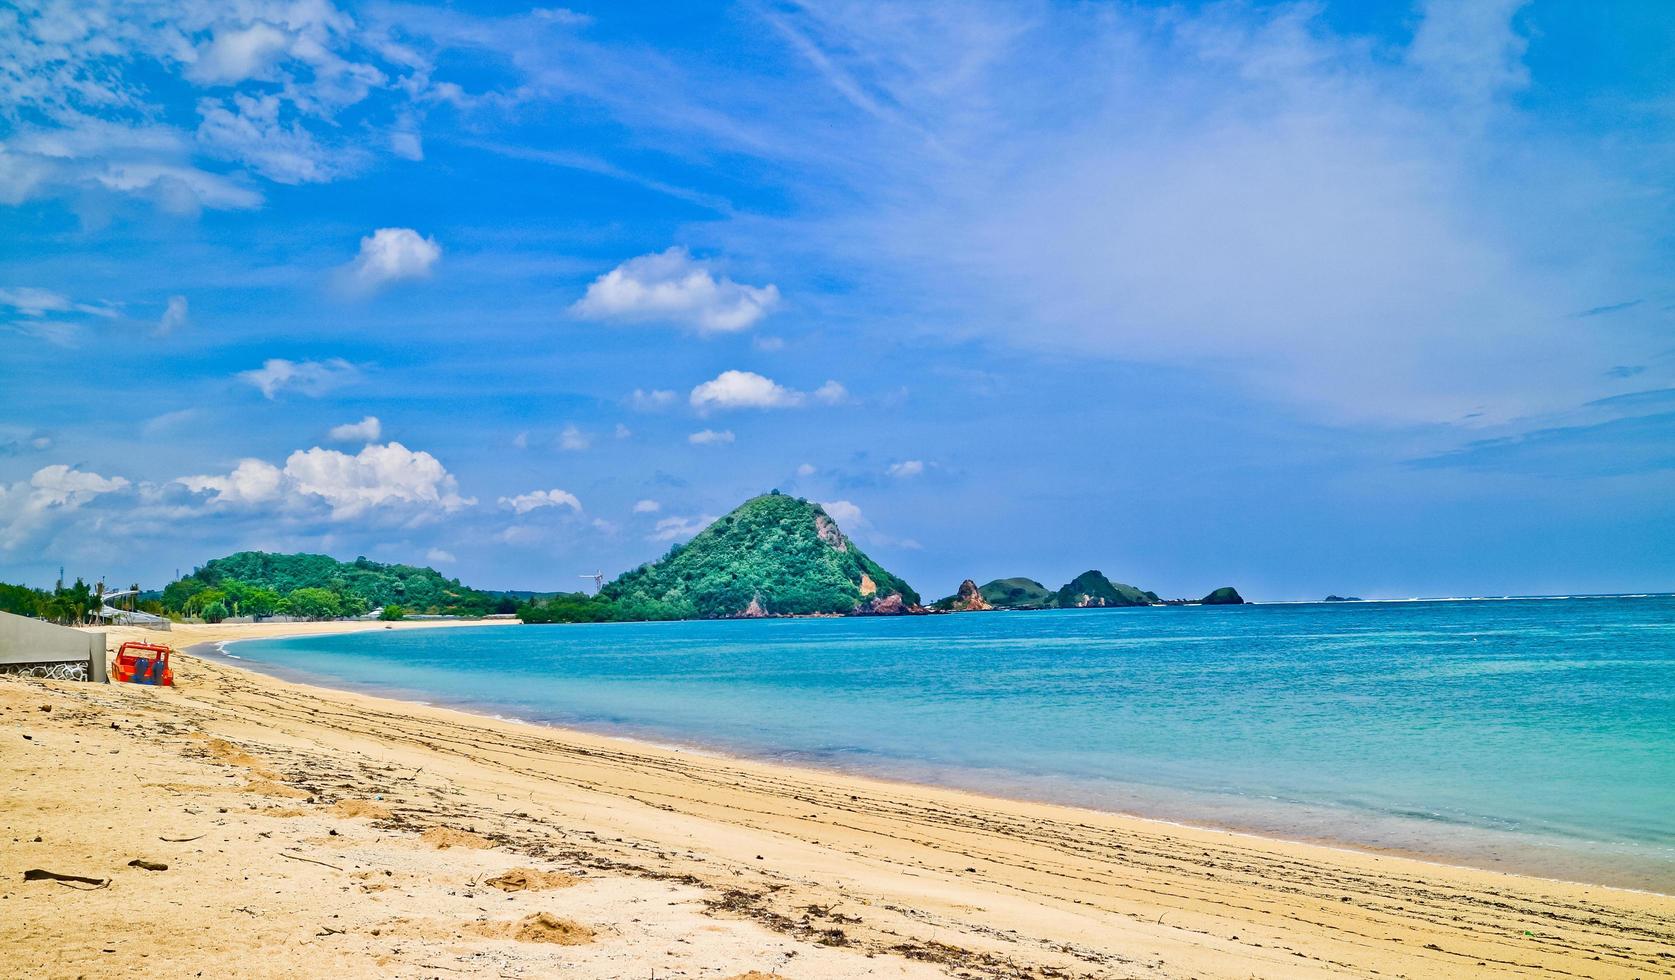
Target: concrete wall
[[29, 646]]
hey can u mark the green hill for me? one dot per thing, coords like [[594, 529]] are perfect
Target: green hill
[[774, 555], [1093, 589], [1227, 595], [1017, 593], [260, 583]]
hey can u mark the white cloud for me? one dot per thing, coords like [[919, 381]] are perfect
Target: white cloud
[[572, 439], [407, 144], [844, 512], [366, 430], [62, 485], [24, 442], [647, 506], [22, 178], [174, 316], [523, 503], [623, 431], [80, 74], [679, 528], [522, 534], [55, 332], [711, 437], [47, 315], [252, 481], [388, 477], [1360, 226], [806, 469], [248, 129], [312, 378], [391, 255], [672, 287], [159, 424], [176, 189], [743, 389], [235, 54], [907, 468], [377, 476], [440, 557], [520, 441], [34, 302], [651, 401], [27, 509], [1471, 51], [85, 155], [768, 343], [747, 389]]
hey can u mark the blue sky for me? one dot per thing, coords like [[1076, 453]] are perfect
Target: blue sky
[[1368, 298]]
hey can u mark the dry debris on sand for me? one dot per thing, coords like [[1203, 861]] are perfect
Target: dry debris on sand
[[540, 927], [442, 838], [361, 808], [528, 879]]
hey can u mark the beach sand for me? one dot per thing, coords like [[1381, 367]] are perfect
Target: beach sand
[[309, 832]]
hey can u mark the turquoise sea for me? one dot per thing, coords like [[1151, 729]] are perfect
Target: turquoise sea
[[1531, 735]]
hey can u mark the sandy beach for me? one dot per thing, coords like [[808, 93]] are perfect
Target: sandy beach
[[309, 832]]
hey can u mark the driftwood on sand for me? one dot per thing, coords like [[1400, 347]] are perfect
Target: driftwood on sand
[[39, 874]]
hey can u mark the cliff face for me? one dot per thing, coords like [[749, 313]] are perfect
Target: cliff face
[[967, 599], [889, 605], [970, 599], [772, 556]]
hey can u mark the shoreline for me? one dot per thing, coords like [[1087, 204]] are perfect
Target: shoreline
[[690, 864], [1174, 808]]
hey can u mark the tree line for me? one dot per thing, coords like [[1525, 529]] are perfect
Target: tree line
[[70, 605]]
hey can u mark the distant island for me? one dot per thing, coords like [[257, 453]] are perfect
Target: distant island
[[773, 555], [1343, 598], [1089, 590], [777, 555]]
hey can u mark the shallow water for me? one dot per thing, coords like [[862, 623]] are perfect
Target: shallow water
[[1533, 735]]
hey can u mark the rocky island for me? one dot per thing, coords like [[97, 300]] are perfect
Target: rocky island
[[1089, 590], [773, 555], [1093, 589], [969, 598]]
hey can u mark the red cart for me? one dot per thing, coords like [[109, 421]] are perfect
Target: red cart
[[143, 663]]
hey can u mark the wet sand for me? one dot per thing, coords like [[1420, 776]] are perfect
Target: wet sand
[[341, 834]]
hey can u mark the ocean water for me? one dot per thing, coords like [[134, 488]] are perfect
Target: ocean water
[[1535, 736]]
